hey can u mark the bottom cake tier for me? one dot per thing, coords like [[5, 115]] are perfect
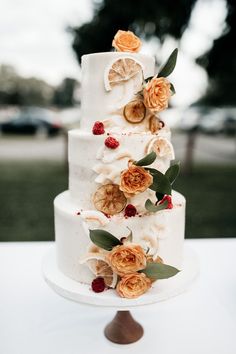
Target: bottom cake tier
[[161, 233]]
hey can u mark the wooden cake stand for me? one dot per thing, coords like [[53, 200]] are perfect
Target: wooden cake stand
[[123, 329]]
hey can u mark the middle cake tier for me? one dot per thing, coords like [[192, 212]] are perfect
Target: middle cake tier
[[92, 163]]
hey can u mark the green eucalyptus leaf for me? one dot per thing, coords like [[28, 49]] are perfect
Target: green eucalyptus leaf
[[172, 88], [161, 183], [147, 160], [159, 271], [159, 196], [151, 170], [103, 239], [173, 172], [154, 208], [169, 66]]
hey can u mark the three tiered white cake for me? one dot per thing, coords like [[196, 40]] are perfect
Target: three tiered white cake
[[117, 175]]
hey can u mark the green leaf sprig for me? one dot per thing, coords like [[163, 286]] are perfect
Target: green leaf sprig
[[104, 239], [162, 184], [167, 68], [156, 271], [147, 160]]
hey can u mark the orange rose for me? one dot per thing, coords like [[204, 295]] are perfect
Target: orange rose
[[156, 94], [135, 180], [126, 41], [126, 259], [133, 285]]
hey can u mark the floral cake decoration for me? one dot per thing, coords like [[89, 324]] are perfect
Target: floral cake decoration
[[156, 91], [122, 264]]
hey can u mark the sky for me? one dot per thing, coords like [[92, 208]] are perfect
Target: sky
[[33, 39]]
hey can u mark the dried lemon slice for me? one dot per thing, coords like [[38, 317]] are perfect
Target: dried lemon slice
[[100, 268], [135, 111], [162, 147], [121, 70], [109, 199]]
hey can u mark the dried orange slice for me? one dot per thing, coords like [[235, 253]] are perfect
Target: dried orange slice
[[155, 124], [121, 70], [100, 268], [162, 147], [135, 111], [109, 199]]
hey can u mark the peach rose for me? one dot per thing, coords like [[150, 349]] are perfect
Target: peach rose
[[126, 41], [133, 285], [135, 180], [156, 94], [126, 259]]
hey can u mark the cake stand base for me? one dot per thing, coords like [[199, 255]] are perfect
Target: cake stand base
[[123, 329]]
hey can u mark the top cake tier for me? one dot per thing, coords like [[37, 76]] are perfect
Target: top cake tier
[[103, 97]]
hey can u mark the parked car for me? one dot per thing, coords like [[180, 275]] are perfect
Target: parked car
[[32, 120]]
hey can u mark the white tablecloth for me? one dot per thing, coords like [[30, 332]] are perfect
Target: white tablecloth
[[35, 320]]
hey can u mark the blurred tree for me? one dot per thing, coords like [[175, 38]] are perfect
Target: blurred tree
[[64, 93], [16, 90], [146, 18], [220, 63]]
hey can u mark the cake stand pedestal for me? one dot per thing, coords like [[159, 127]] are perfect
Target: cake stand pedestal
[[123, 329]]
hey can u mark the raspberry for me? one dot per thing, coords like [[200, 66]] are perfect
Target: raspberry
[[98, 128], [98, 285], [130, 210], [111, 143], [168, 198]]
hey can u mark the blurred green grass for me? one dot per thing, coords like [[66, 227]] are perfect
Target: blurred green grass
[[27, 190]]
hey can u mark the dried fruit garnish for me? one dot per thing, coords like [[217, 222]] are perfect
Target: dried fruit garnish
[[168, 198], [109, 199], [98, 285], [98, 128], [135, 111], [162, 147], [121, 70], [155, 124], [130, 210], [96, 261], [111, 143]]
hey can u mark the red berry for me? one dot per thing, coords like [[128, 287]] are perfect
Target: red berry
[[98, 128], [111, 143], [98, 285], [130, 210], [168, 198]]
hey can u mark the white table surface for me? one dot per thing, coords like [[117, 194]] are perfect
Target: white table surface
[[35, 320]]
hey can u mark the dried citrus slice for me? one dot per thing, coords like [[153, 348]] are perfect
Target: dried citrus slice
[[135, 111], [162, 147], [109, 199], [100, 268], [155, 124], [121, 70]]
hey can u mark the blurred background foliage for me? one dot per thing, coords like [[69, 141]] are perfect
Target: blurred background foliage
[[28, 184], [159, 19]]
